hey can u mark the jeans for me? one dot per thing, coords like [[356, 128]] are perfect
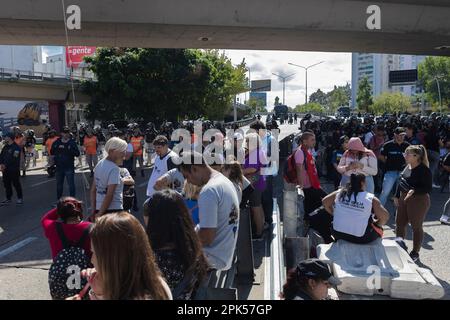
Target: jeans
[[447, 208], [69, 174], [433, 158], [390, 178]]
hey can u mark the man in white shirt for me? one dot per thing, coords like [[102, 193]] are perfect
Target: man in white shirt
[[218, 211], [163, 162]]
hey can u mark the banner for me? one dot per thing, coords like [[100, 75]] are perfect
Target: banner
[[75, 55]]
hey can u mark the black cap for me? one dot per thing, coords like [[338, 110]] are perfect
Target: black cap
[[316, 269], [65, 129], [399, 130]]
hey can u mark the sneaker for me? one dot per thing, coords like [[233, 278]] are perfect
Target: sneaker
[[414, 256], [402, 244], [5, 202], [445, 220], [19, 201], [436, 186]]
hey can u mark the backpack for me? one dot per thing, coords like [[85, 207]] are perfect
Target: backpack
[[60, 271], [129, 196], [290, 170]]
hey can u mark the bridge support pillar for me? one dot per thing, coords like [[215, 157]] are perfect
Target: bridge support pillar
[[56, 114]]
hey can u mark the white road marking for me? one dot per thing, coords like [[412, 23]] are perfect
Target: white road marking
[[41, 183], [17, 246]]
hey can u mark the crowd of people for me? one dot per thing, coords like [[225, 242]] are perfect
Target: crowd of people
[[192, 208], [190, 216], [397, 158]]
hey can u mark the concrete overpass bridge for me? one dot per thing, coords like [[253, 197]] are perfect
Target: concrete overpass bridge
[[406, 26], [28, 85], [56, 89]]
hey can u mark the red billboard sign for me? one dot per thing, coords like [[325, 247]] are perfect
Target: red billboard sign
[[74, 55]]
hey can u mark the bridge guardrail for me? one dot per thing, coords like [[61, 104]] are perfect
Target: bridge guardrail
[[33, 75], [240, 123]]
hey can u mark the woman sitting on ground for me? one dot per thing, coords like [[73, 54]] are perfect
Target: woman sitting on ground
[[357, 214], [177, 247], [124, 264]]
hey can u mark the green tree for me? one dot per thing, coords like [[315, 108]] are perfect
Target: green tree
[[257, 105], [319, 97], [338, 97], [390, 103], [364, 97], [432, 69], [164, 84], [309, 108]]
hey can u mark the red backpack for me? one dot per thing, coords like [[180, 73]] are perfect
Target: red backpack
[[290, 170]]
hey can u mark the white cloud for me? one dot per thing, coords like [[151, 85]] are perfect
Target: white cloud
[[50, 51], [336, 70]]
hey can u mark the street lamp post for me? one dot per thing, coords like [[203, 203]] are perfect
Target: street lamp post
[[439, 92], [283, 78], [306, 76]]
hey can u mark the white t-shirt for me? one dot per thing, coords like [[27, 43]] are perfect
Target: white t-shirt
[[160, 167], [176, 179], [108, 173], [350, 216], [219, 209]]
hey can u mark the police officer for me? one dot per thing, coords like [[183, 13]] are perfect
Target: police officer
[[64, 150], [30, 148], [10, 166]]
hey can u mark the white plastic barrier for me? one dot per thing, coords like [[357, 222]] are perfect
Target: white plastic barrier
[[381, 267]]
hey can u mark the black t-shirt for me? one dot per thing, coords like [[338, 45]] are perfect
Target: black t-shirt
[[395, 161], [418, 179], [431, 140]]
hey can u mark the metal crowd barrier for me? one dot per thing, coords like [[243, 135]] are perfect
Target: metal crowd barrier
[[296, 242], [275, 271], [221, 285]]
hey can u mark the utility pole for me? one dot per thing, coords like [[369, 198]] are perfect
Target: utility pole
[[439, 91], [283, 78], [306, 76]]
